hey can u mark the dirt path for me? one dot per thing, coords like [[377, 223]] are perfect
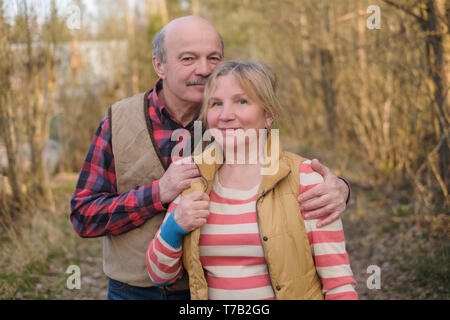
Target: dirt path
[[94, 283]]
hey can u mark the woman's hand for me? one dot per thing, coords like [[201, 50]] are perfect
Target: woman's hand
[[192, 211]]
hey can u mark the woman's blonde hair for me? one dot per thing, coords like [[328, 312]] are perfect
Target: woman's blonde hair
[[257, 80]]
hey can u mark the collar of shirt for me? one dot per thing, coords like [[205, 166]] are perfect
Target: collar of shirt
[[161, 111]]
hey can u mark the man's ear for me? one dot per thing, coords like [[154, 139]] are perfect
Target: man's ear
[[159, 68]]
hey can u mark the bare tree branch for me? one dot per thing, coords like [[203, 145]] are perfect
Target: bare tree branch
[[404, 9]]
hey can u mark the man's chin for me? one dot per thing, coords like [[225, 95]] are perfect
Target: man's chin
[[198, 87], [196, 96]]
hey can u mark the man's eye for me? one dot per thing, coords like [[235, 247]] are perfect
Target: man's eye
[[215, 58], [187, 59]]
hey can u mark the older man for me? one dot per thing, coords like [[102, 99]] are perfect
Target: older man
[[128, 178]]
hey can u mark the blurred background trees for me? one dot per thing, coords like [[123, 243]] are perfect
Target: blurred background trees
[[372, 103]]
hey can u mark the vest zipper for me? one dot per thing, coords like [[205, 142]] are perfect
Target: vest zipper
[[257, 215]]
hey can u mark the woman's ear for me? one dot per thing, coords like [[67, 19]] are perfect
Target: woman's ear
[[269, 119], [159, 68]]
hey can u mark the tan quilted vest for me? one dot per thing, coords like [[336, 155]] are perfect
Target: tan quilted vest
[[285, 242], [137, 164]]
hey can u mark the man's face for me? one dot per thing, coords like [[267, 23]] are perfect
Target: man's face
[[192, 53]]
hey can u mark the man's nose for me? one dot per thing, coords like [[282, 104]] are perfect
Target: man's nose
[[203, 68]]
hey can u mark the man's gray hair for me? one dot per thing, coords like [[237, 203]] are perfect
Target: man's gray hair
[[158, 46], [159, 52]]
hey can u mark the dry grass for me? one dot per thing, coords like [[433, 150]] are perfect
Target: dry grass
[[412, 255], [37, 248]]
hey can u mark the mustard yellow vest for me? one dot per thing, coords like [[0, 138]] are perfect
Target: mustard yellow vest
[[286, 247], [137, 163]]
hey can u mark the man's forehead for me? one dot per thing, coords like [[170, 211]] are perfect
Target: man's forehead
[[185, 23], [197, 43], [192, 34]]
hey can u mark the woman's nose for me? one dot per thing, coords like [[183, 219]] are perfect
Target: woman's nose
[[227, 113]]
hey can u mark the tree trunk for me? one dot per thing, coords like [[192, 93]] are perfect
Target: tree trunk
[[435, 33], [196, 7], [37, 114], [7, 128], [9, 138], [132, 56], [329, 91], [159, 7]]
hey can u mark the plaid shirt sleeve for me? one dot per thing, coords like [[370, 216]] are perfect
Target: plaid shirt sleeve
[[97, 209]]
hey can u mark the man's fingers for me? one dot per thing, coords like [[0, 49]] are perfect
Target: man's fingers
[[319, 168], [315, 203], [314, 214], [187, 183], [328, 220], [189, 172], [317, 191], [184, 161]]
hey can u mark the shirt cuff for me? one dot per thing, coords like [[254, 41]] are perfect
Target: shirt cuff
[[171, 232], [349, 189], [149, 199]]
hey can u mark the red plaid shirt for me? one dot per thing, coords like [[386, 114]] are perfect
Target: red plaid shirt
[[96, 207]]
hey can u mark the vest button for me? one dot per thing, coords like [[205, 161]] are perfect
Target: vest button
[[265, 238], [278, 288]]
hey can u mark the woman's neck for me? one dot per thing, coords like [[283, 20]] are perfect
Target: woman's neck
[[240, 176]]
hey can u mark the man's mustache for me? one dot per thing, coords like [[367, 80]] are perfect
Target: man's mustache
[[195, 82]]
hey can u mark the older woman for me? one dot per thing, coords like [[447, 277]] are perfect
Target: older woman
[[239, 232]]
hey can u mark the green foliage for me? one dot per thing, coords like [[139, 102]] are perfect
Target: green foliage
[[430, 272]]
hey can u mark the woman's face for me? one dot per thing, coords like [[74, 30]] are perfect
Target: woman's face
[[230, 109]]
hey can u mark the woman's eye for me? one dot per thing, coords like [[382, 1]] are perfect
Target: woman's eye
[[242, 101], [215, 104]]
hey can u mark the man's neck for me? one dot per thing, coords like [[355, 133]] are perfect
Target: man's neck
[[182, 111]]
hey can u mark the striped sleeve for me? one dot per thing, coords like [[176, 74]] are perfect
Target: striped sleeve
[[164, 252], [328, 247]]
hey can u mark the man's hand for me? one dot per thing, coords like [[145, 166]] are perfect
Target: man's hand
[[177, 178], [327, 198], [192, 211]]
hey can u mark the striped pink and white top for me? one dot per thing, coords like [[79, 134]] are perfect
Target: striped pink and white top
[[231, 251]]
